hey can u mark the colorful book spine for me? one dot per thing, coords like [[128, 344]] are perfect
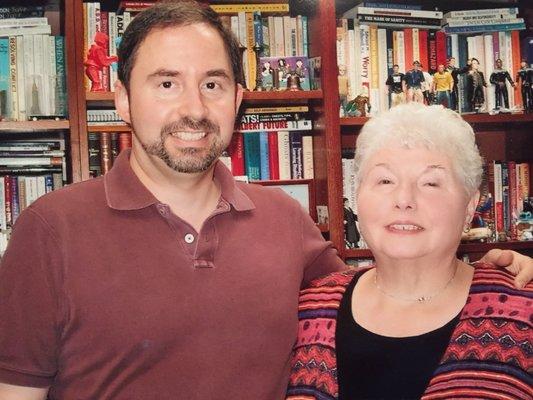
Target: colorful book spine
[[13, 78], [273, 153], [485, 28], [296, 157], [307, 153], [284, 155], [236, 151], [252, 158], [264, 156]]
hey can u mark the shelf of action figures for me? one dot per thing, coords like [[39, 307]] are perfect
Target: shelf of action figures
[[477, 119], [464, 248], [32, 126], [276, 97]]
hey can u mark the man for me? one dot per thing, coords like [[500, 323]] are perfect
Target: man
[[413, 81], [498, 78], [396, 84], [524, 77], [443, 86], [146, 283]]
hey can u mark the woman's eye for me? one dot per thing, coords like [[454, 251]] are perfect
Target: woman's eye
[[432, 184], [385, 181]]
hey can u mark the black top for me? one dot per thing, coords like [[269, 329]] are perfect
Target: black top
[[395, 82], [372, 366]]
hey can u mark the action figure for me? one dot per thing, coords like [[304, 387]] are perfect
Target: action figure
[[97, 59], [498, 78], [475, 81], [454, 71], [359, 106], [525, 78], [280, 77], [443, 86], [427, 86], [396, 85], [351, 234], [413, 80], [343, 89], [267, 76]]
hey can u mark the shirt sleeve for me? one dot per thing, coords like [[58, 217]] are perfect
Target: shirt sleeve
[[29, 304], [319, 255]]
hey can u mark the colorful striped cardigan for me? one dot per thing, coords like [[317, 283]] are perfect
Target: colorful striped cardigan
[[489, 356]]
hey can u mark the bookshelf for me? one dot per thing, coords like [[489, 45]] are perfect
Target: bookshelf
[[503, 136]]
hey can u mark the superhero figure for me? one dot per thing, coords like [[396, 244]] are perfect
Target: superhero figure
[[498, 78], [97, 59], [452, 69], [475, 81], [525, 77]]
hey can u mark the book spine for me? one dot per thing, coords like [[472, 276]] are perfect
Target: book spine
[[374, 69], [484, 28], [365, 58], [351, 63], [264, 156], [498, 199], [115, 150], [515, 98], [383, 70], [26, 30], [104, 28], [273, 158], [20, 80], [252, 159], [390, 50], [257, 118], [399, 13], [307, 154], [301, 125], [287, 50], [46, 77], [432, 50], [279, 39], [53, 100], [441, 49], [396, 6], [61, 93], [408, 45], [106, 157], [18, 22], [416, 45], [407, 21], [489, 66], [15, 206], [124, 141], [264, 8], [505, 197], [112, 23], [423, 47], [3, 221], [491, 11], [305, 36], [22, 193], [7, 200], [494, 21], [236, 151], [37, 89], [250, 53], [48, 183], [4, 78], [13, 78], [284, 154], [513, 201], [295, 138]]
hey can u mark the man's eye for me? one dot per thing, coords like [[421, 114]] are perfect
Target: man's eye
[[211, 85], [167, 84]]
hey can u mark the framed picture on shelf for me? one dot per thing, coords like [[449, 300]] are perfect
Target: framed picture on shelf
[[302, 190]]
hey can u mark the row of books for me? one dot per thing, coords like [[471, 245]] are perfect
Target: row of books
[[32, 70], [274, 155], [368, 53], [104, 147]]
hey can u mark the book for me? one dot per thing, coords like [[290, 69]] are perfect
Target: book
[[133, 6], [264, 156], [30, 11], [398, 21], [106, 155], [300, 125], [252, 158], [284, 155], [296, 156], [357, 10], [273, 159], [490, 11], [236, 152], [250, 7], [484, 28], [307, 155]]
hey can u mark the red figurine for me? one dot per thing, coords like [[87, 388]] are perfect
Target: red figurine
[[97, 59]]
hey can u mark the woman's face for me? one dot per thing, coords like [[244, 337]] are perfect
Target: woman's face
[[410, 204]]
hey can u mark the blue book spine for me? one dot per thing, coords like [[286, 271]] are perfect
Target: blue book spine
[[61, 85], [264, 156], [448, 47], [258, 29], [252, 159], [295, 141], [305, 37], [48, 183], [463, 51], [4, 77], [485, 28]]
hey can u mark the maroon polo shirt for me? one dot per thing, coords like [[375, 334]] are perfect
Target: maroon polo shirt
[[106, 294]]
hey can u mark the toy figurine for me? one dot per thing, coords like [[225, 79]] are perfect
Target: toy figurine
[[280, 77], [443, 86], [413, 80], [97, 59], [427, 87], [351, 234], [525, 78], [454, 71], [396, 85], [498, 78], [294, 81], [475, 81], [359, 106], [267, 76], [343, 89]]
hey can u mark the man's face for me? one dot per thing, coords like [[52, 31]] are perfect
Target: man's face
[[499, 64], [440, 68], [416, 66], [182, 100], [523, 64], [395, 69], [475, 64], [451, 62]]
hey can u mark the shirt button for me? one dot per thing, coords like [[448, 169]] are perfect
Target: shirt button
[[189, 238]]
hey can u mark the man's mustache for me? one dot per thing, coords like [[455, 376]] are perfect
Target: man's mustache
[[188, 123]]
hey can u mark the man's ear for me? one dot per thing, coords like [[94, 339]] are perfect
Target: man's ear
[[122, 102], [238, 97]]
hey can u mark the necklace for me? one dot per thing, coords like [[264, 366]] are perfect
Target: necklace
[[420, 299]]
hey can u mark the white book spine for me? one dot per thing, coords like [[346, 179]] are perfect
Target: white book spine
[[287, 35], [3, 221], [365, 59], [272, 36], [490, 11], [13, 79], [351, 65], [507, 64], [52, 92], [21, 79], [112, 47], [400, 40], [489, 63], [37, 103], [41, 186], [279, 39], [357, 60], [299, 36], [307, 153], [284, 155], [127, 19], [20, 22], [403, 13], [416, 46], [46, 76], [455, 46], [29, 78], [32, 30]]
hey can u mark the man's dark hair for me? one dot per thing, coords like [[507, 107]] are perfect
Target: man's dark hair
[[167, 14], [395, 65]]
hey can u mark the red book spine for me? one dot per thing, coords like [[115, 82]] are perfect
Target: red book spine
[[423, 47], [432, 52], [515, 45], [496, 45], [441, 48], [124, 141], [236, 152], [408, 45], [7, 195], [273, 161], [104, 28]]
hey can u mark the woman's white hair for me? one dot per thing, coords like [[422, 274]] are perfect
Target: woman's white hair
[[433, 127]]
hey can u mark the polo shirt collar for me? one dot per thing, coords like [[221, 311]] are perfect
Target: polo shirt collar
[[124, 190]]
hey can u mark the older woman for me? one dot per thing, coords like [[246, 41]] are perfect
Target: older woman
[[421, 323]]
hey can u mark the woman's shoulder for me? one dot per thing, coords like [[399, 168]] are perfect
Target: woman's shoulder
[[336, 279]]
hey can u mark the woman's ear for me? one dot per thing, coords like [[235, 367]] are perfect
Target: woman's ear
[[471, 206]]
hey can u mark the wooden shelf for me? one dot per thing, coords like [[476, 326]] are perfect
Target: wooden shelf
[[286, 96], [484, 247], [470, 118], [42, 125], [108, 128], [463, 248]]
